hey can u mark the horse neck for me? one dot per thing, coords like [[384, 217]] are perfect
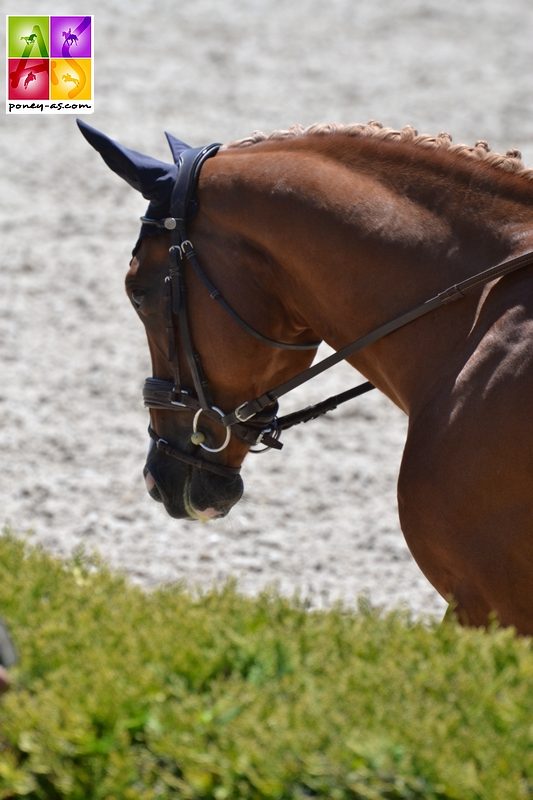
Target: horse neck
[[354, 238]]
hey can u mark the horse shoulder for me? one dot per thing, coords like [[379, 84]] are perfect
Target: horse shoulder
[[467, 472]]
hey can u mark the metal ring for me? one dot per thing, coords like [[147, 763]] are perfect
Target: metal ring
[[195, 428]]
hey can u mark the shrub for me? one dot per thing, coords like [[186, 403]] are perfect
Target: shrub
[[123, 694]]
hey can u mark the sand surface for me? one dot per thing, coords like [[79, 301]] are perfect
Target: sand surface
[[321, 517]]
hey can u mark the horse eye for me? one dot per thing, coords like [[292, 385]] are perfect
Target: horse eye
[[137, 299]]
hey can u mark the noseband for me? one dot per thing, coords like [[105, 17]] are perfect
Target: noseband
[[255, 421]]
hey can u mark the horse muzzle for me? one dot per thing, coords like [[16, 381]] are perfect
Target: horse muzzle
[[188, 493]]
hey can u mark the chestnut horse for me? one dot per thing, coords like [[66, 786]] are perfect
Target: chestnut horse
[[325, 234]]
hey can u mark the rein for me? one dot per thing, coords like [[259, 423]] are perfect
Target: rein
[[255, 421], [449, 295]]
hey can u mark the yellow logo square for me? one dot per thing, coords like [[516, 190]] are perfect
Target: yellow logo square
[[70, 79]]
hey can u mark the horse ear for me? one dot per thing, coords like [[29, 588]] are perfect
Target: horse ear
[[152, 178], [177, 146]]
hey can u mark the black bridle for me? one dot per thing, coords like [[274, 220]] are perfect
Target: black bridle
[[259, 429], [255, 421]]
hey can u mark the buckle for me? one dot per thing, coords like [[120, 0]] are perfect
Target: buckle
[[269, 439], [184, 249], [242, 417]]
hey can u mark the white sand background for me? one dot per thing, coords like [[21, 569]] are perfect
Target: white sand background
[[321, 517]]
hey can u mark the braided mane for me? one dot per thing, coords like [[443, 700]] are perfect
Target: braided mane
[[510, 162]]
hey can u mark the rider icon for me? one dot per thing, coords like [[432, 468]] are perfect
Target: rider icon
[[30, 77], [69, 37], [68, 78]]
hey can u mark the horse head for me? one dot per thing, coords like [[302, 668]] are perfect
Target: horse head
[[193, 464]]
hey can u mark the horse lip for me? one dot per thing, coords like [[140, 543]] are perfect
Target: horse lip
[[193, 513], [205, 515]]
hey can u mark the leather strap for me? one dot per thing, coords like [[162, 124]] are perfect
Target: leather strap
[[193, 461], [449, 295]]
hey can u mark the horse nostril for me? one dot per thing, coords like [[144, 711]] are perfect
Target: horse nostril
[[151, 486], [155, 494]]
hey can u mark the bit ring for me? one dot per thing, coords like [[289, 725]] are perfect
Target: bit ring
[[195, 430]]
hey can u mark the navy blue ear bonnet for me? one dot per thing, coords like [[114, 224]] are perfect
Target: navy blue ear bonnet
[[154, 179]]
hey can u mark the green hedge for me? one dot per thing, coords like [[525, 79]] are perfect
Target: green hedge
[[127, 695]]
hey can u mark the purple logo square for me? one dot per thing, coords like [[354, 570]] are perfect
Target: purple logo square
[[70, 37]]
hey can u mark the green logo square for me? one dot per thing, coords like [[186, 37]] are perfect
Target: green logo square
[[28, 37]]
